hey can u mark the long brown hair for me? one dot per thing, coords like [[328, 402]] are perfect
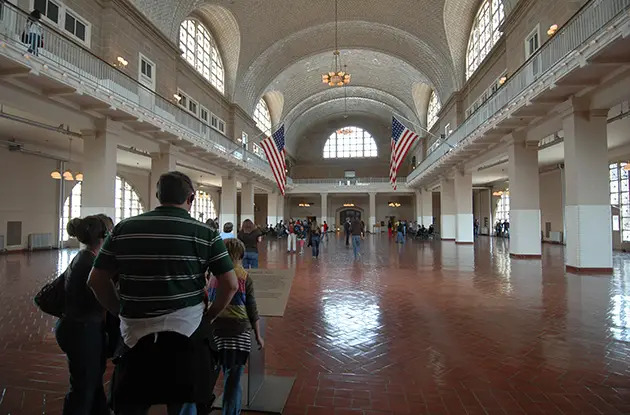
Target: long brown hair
[[248, 226], [314, 226]]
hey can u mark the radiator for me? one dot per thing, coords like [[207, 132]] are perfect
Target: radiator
[[40, 241], [555, 237]]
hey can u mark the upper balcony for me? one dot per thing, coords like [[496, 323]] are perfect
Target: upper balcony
[[63, 68], [566, 65], [347, 185]]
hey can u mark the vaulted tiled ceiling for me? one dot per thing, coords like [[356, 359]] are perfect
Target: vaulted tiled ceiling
[[282, 47]]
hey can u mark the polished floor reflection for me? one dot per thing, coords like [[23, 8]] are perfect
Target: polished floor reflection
[[420, 328]]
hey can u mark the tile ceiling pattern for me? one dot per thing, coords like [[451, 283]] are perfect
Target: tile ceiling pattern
[[268, 46]]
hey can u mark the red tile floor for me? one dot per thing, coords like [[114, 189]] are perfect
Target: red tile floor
[[424, 328]]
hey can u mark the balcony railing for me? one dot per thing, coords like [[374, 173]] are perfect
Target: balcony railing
[[358, 181], [58, 50], [580, 28]]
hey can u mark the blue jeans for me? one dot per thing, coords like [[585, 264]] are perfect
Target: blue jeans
[[315, 244], [356, 245], [250, 260], [400, 238], [232, 393]]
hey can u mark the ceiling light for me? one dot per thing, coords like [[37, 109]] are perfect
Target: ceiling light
[[177, 97], [304, 205], [394, 204], [348, 205], [121, 62], [502, 80], [552, 30], [55, 175], [336, 76]]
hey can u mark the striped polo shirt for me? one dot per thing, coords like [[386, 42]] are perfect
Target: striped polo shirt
[[161, 258]]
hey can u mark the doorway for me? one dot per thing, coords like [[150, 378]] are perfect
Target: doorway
[[349, 213]]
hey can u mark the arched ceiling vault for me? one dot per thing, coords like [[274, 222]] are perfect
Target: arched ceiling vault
[[370, 71], [334, 108], [336, 99], [270, 48]]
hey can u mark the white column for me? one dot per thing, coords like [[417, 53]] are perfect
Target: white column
[[524, 199], [324, 216], [587, 212], [247, 202], [463, 208], [161, 162], [418, 198], [98, 192], [447, 207], [281, 209], [427, 208], [228, 202], [272, 209], [372, 212]]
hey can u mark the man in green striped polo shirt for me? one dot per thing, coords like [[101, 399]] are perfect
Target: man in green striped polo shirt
[[161, 259]]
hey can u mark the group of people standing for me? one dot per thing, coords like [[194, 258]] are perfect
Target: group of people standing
[[181, 301], [305, 232]]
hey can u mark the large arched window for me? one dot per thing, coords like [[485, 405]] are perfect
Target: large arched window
[[262, 117], [127, 204], [433, 110], [485, 33], [127, 201], [350, 142], [202, 208], [200, 50]]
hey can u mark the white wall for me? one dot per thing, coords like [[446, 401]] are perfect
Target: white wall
[[27, 194]]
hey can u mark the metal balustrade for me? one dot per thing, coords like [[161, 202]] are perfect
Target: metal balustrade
[[358, 181], [592, 18], [61, 52]]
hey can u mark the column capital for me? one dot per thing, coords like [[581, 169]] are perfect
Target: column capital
[[581, 105]]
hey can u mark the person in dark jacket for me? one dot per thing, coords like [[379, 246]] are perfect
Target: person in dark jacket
[[80, 332], [346, 229]]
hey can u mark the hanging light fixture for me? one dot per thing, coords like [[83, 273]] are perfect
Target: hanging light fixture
[[336, 76], [67, 175]]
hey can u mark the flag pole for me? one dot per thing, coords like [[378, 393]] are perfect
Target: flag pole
[[443, 139]]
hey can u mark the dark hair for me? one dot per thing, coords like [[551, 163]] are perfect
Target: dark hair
[[174, 188], [88, 230], [36, 14], [248, 226], [228, 227]]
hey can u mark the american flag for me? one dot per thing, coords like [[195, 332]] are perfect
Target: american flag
[[274, 150], [402, 140]]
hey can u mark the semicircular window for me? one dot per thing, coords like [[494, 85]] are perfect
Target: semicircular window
[[350, 142]]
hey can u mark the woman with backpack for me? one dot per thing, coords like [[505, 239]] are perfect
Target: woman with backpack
[[80, 332]]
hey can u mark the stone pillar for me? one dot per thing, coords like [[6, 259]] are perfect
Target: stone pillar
[[463, 208], [161, 162], [228, 201], [447, 206], [99, 169], [272, 209], [524, 199], [427, 208], [247, 202], [324, 216], [587, 211], [418, 198], [372, 212]]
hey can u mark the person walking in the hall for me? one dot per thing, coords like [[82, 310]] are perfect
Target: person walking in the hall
[[292, 239], [357, 233], [315, 236], [347, 230], [161, 259]]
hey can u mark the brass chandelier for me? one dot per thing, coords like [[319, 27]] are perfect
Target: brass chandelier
[[336, 76]]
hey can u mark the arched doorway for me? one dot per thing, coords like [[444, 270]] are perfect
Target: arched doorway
[[349, 213]]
